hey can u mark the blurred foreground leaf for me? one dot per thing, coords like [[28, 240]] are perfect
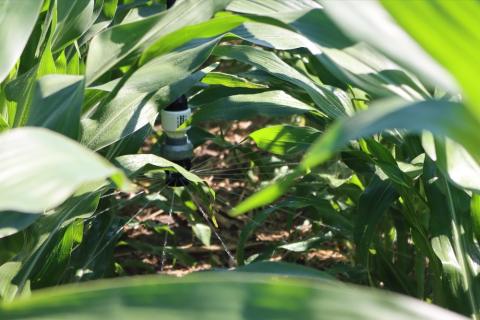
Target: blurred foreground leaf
[[225, 296]]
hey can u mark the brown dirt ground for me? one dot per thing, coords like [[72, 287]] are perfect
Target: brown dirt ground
[[276, 230]]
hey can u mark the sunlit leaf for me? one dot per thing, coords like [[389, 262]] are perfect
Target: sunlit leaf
[[448, 32], [133, 163], [285, 139], [43, 168], [17, 19], [203, 233], [228, 80]]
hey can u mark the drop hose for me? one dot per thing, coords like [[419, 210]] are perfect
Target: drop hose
[[176, 145]]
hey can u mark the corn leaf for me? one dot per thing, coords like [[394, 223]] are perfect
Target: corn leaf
[[233, 295], [449, 33], [116, 43], [249, 106], [285, 139], [57, 103], [136, 104], [17, 19], [42, 169], [439, 117]]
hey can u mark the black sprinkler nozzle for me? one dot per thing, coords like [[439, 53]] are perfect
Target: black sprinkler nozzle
[[175, 179], [170, 3]]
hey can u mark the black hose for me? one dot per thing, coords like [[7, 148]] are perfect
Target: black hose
[[170, 3], [178, 105], [175, 179]]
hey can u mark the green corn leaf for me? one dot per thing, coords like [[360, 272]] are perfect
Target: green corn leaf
[[248, 106], [285, 139], [55, 264], [229, 80], [113, 45], [370, 23], [12, 222], [42, 169], [331, 101], [348, 61], [3, 124], [138, 101], [57, 103], [475, 214], [284, 269], [304, 245], [372, 206], [233, 295], [203, 233], [74, 19], [248, 230], [267, 7], [17, 19], [109, 8], [438, 117], [453, 241], [132, 164], [449, 33], [214, 27], [50, 229], [387, 163], [272, 36], [22, 88], [453, 159], [7, 289]]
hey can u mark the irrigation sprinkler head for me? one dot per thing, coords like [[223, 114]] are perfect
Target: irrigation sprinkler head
[[176, 146]]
